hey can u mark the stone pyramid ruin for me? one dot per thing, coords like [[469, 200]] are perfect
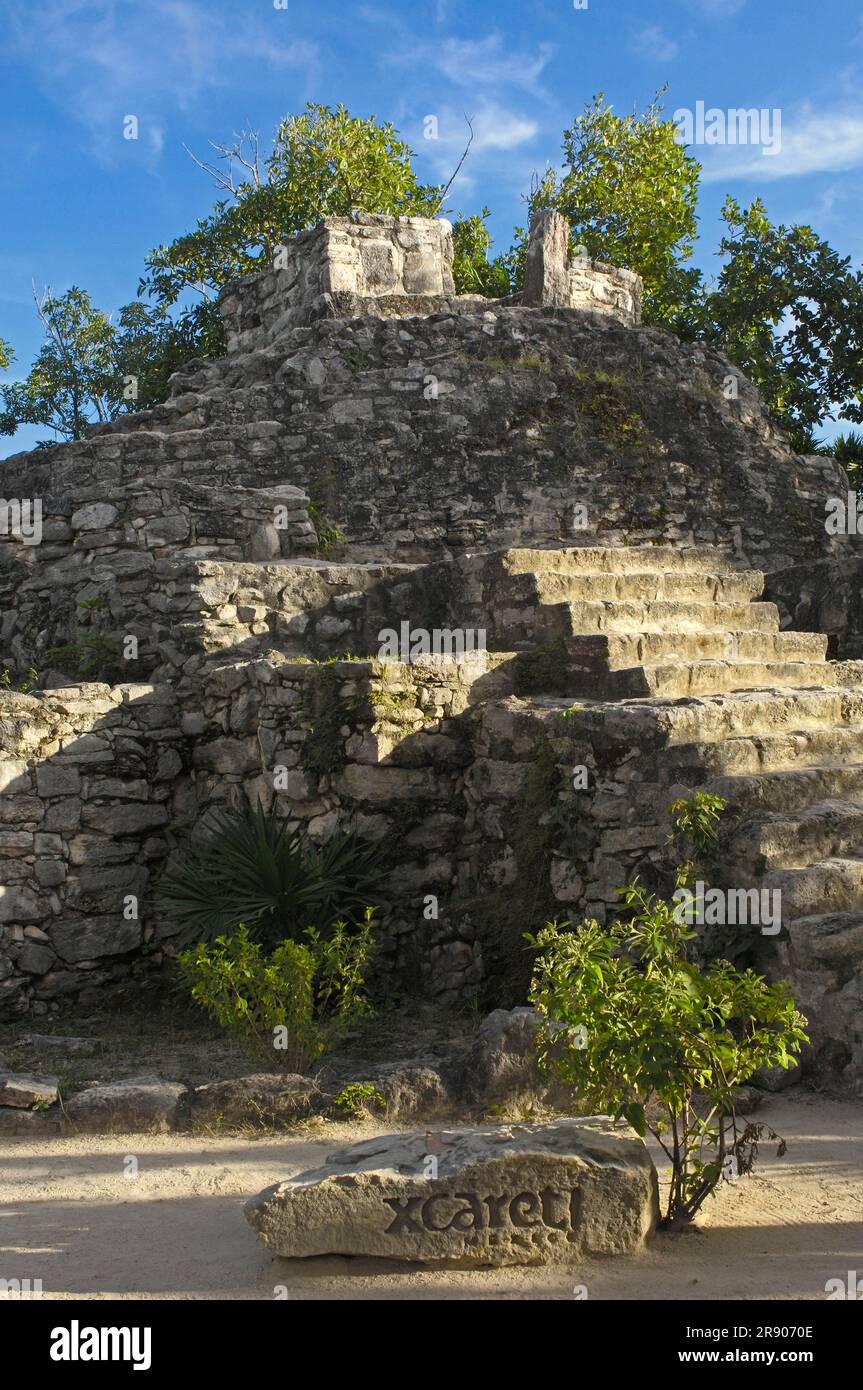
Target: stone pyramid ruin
[[604, 574]]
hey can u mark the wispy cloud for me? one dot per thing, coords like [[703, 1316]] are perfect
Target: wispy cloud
[[502, 144], [476, 64], [100, 61], [653, 43], [813, 142], [484, 78]]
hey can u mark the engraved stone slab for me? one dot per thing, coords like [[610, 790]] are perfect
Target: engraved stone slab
[[489, 1195]]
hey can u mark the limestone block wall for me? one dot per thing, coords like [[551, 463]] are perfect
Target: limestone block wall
[[464, 786], [825, 596], [423, 438], [171, 517], [467, 788], [90, 779], [369, 264], [553, 277], [129, 566], [98, 784]]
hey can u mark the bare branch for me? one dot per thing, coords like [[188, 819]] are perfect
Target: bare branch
[[220, 179], [230, 154], [457, 170]]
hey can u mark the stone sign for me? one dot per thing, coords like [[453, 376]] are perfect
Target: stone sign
[[492, 1195]]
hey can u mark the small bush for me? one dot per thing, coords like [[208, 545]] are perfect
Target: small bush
[[697, 822], [298, 1000], [642, 1033], [357, 1100]]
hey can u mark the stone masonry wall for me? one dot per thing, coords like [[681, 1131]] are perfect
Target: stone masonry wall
[[422, 438], [130, 559], [552, 277], [99, 783], [369, 264], [91, 777]]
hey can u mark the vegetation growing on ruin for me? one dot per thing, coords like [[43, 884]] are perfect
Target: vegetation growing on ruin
[[251, 868], [606, 401], [697, 819], [23, 684], [357, 360], [97, 657], [327, 532], [325, 712], [536, 823], [542, 670]]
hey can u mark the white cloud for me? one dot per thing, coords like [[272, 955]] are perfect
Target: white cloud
[[653, 43], [498, 147], [476, 64], [99, 61], [813, 142]]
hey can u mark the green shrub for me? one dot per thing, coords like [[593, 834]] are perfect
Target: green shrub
[[251, 868], [24, 684], [642, 1033], [298, 1000], [698, 819], [358, 1099]]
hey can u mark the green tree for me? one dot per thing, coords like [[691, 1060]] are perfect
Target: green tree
[[629, 191], [7, 356], [92, 366], [847, 449], [473, 272], [324, 163], [788, 310], [67, 387]]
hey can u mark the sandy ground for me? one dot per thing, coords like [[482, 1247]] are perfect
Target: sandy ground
[[69, 1217]]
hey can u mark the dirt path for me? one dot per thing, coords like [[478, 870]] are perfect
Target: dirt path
[[69, 1217]]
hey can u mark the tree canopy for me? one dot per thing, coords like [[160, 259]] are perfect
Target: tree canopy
[[629, 191], [784, 305]]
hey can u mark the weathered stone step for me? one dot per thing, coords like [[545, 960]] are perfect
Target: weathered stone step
[[832, 940], [732, 714], [833, 885], [621, 559], [624, 650], [827, 830], [559, 586], [695, 763], [792, 790], [685, 678], [655, 615]]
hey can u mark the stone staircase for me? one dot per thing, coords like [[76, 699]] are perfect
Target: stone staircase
[[747, 712], [655, 621]]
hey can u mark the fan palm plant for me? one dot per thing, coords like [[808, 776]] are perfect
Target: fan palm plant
[[251, 868]]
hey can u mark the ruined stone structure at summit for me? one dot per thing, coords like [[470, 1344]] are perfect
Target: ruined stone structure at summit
[[613, 508]]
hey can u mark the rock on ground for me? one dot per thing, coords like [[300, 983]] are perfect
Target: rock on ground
[[23, 1091], [134, 1105], [263, 1098], [490, 1195]]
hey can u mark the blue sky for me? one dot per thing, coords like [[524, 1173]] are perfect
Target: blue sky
[[82, 205]]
